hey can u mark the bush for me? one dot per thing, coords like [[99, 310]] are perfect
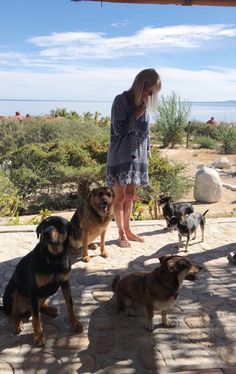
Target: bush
[[39, 166], [206, 142], [172, 117], [97, 149], [10, 201], [199, 129], [165, 178], [228, 138]]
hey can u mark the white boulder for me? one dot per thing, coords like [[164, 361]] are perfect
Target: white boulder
[[222, 163], [207, 187]]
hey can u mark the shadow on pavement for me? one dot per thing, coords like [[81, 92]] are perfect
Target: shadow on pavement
[[204, 336]]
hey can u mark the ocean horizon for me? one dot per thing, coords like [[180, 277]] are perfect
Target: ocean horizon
[[222, 111]]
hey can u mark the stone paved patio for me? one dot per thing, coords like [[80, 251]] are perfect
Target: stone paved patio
[[203, 339]]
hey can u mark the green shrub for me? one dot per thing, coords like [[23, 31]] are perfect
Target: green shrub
[[199, 129], [97, 149], [228, 139], [165, 177], [206, 142], [10, 201], [171, 119]]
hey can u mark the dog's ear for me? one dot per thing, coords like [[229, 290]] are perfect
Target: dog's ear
[[39, 228], [164, 258], [43, 223]]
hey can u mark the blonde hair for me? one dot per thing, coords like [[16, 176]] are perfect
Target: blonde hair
[[147, 78]]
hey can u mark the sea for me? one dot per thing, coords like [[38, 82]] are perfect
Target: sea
[[222, 111]]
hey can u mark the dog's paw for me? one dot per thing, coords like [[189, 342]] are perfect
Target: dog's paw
[[19, 326], [77, 326], [169, 324], [129, 311], [40, 339], [86, 259], [105, 253], [149, 326]]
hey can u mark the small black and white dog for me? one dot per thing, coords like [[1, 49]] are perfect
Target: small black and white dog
[[179, 210], [188, 226]]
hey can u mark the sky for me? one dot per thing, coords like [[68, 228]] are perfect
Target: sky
[[82, 51]]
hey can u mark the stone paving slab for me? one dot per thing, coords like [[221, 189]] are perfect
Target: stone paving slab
[[203, 341]]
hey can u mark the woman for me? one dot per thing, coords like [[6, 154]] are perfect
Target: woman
[[127, 159]]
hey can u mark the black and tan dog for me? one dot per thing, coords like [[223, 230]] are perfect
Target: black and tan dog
[[90, 220], [38, 275], [158, 289], [180, 210]]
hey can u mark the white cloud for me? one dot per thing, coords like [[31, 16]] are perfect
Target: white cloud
[[57, 70], [120, 24], [86, 45]]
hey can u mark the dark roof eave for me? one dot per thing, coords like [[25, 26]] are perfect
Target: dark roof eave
[[224, 3]]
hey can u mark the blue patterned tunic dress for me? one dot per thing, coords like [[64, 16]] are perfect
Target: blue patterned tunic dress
[[127, 158]]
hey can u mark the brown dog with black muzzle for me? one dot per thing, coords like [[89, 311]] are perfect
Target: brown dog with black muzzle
[[38, 275], [156, 290], [91, 220]]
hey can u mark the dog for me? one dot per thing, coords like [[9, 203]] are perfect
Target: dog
[[158, 289], [189, 226], [90, 220], [177, 209], [38, 275]]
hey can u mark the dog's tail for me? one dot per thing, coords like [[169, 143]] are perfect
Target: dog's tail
[[115, 282], [205, 212]]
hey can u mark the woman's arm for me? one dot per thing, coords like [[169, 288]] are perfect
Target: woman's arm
[[122, 116]]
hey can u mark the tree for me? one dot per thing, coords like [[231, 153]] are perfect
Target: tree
[[60, 112], [171, 118]]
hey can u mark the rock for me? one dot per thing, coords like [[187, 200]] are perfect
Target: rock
[[222, 163], [229, 186], [207, 187]]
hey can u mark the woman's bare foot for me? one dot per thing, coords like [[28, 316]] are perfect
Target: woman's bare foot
[[134, 237], [123, 242]]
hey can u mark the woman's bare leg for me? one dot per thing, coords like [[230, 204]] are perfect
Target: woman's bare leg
[[128, 204], [118, 211]]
